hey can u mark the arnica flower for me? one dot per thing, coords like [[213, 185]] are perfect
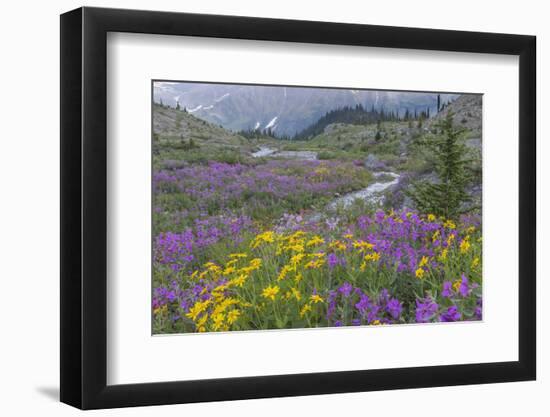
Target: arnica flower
[[426, 310], [431, 217], [449, 224], [464, 245], [270, 292], [375, 256], [232, 316], [316, 298], [423, 261], [315, 240], [419, 273], [305, 309], [451, 314]]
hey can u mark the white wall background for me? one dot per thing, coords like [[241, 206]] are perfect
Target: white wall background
[[29, 225]]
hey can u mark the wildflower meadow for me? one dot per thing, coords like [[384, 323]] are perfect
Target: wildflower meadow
[[273, 242]]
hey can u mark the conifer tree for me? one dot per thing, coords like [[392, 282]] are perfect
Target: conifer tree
[[447, 196]]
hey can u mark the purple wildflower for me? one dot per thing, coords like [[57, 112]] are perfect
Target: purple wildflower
[[394, 307], [464, 289], [451, 314], [447, 289], [426, 310]]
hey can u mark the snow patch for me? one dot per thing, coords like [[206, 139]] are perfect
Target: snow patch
[[208, 107], [271, 123], [257, 126], [195, 109], [217, 100]]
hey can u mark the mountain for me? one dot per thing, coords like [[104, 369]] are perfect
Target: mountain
[[284, 110], [467, 111], [172, 125]]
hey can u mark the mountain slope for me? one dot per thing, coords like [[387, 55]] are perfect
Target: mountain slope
[[174, 125], [286, 110]]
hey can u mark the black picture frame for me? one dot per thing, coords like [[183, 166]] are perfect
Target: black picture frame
[[84, 207]]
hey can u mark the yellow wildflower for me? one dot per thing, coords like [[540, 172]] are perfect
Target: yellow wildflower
[[304, 310], [218, 321], [443, 255], [423, 261], [362, 245], [270, 292], [298, 277], [348, 236], [232, 316], [229, 270], [201, 322], [265, 237], [419, 273], [376, 323], [475, 262], [197, 309], [296, 293], [449, 224], [296, 259], [315, 298], [284, 272], [450, 239], [456, 285], [315, 240], [238, 255], [431, 217], [464, 246], [239, 281], [315, 264], [375, 256]]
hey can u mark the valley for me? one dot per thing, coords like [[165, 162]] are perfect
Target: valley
[[293, 230]]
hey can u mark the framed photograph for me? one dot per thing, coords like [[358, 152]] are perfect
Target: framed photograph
[[257, 208]]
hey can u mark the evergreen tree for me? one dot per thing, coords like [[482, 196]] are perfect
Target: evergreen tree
[[177, 105], [447, 196], [438, 102]]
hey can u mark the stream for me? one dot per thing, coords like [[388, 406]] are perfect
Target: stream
[[372, 193]]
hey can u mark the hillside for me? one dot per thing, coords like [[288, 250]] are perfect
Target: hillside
[[467, 111], [286, 110], [178, 125], [179, 136]]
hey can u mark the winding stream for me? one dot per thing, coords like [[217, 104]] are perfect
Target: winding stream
[[372, 193]]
